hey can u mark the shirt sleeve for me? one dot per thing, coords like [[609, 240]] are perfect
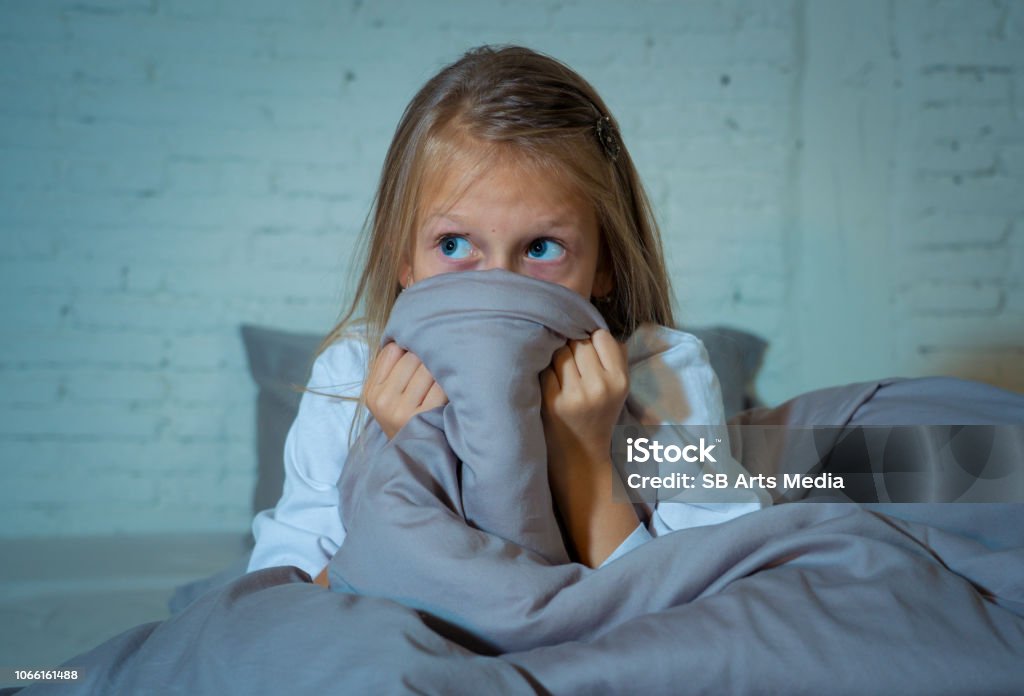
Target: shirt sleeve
[[672, 382], [305, 529], [639, 537], [671, 379]]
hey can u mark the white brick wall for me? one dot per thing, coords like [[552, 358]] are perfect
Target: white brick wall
[[960, 216], [842, 178], [909, 204]]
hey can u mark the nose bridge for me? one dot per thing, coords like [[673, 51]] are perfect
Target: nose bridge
[[502, 258]]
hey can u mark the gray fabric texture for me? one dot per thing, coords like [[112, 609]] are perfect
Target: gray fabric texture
[[932, 439], [797, 598], [485, 337], [410, 539], [280, 362]]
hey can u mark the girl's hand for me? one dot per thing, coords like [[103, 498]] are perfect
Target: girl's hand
[[583, 393], [398, 387]]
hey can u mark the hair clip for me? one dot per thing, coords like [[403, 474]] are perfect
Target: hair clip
[[606, 136]]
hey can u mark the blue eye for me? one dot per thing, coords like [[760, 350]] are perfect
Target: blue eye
[[455, 247], [545, 250]]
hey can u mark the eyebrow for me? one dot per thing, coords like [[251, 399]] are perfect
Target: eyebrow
[[543, 223], [443, 216]]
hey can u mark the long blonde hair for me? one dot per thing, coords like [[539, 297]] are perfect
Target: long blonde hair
[[513, 101]]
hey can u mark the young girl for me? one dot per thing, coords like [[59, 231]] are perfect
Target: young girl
[[506, 159]]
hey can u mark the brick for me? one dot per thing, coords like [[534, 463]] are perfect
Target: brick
[[31, 388], [190, 9], [987, 263], [958, 158], [80, 486], [718, 18], [259, 283], [101, 458], [929, 332], [324, 180], [206, 352], [67, 421], [26, 242], [45, 312], [23, 62], [204, 487], [965, 123], [39, 276], [124, 174], [970, 84], [146, 248], [721, 53], [207, 424], [110, 8], [28, 171], [956, 230], [937, 297], [119, 312], [327, 249], [1015, 300], [144, 387], [193, 176], [165, 108], [1015, 21], [67, 347], [167, 36], [1015, 251], [949, 18], [246, 176], [297, 14], [1011, 159], [213, 389], [30, 101], [975, 195], [759, 291], [95, 518], [30, 23], [290, 314], [966, 49], [748, 190], [269, 76]]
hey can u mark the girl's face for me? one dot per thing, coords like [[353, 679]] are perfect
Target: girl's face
[[510, 218]]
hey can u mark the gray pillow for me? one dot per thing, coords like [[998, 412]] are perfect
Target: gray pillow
[[736, 358], [280, 362]]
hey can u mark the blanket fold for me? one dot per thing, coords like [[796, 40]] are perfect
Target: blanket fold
[[453, 577], [485, 336], [411, 537]]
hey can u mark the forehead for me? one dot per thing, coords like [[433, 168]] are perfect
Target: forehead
[[471, 171]]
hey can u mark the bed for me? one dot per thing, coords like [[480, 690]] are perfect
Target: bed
[[433, 592]]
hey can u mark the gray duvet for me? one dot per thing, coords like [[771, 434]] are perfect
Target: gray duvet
[[454, 578]]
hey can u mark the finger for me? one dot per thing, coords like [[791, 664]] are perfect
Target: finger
[[419, 384], [549, 387], [384, 362], [610, 352], [554, 358], [402, 372], [435, 397], [565, 368], [587, 360]]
